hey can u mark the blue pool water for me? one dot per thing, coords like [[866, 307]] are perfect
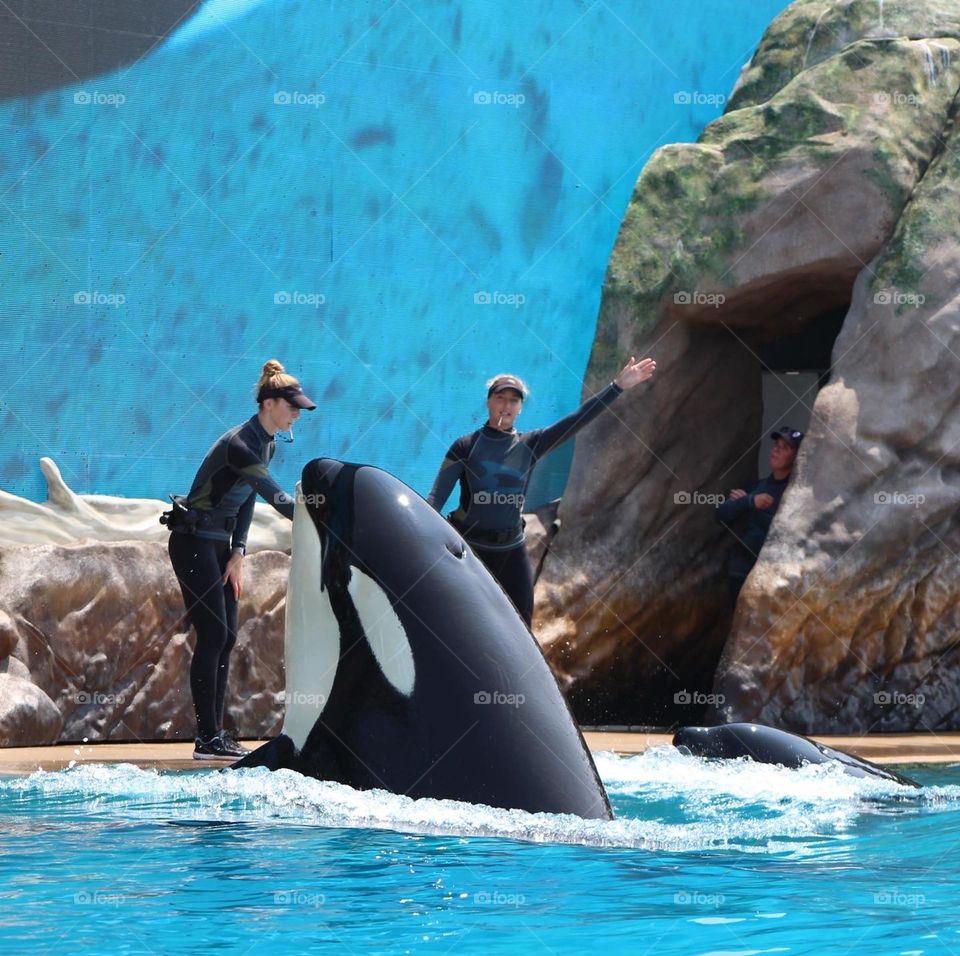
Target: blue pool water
[[733, 858]]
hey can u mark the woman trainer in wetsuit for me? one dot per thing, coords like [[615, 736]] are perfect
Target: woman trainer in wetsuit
[[494, 465], [209, 538]]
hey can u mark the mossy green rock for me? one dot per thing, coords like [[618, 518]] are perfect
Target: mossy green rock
[[829, 179], [811, 31], [773, 213], [857, 593]]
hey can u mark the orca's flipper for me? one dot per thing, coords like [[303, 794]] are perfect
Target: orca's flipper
[[276, 754]]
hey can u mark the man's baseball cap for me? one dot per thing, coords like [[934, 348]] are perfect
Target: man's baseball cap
[[792, 436], [291, 393], [503, 382]]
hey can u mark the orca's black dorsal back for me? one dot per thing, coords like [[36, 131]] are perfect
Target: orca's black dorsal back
[[771, 746]]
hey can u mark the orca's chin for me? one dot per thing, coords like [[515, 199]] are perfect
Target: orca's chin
[[693, 741]]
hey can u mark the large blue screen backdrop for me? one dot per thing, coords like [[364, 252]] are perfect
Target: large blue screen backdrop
[[396, 200]]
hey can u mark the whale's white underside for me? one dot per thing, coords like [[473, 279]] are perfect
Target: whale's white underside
[[312, 635]]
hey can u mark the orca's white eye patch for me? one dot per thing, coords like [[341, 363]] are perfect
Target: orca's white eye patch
[[387, 638]]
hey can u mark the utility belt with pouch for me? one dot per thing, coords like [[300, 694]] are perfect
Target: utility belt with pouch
[[181, 517]]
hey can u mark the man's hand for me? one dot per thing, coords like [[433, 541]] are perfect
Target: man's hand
[[234, 573], [634, 372], [737, 493], [763, 501]]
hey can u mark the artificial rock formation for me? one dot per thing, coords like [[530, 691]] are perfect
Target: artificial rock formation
[[94, 645], [830, 183]]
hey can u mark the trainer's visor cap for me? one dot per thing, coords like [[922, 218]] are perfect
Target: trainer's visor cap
[[507, 381], [791, 436], [291, 393]]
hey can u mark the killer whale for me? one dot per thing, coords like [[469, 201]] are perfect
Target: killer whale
[[768, 745], [407, 667]]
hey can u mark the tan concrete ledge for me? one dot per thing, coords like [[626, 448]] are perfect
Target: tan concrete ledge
[[882, 749]]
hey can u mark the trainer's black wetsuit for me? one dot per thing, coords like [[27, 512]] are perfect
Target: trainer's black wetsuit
[[224, 491], [494, 470], [751, 526]]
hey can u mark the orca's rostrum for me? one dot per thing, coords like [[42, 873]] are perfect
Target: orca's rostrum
[[407, 667]]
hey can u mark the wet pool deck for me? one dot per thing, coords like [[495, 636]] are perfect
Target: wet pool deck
[[880, 748]]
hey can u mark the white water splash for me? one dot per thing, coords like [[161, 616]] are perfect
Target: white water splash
[[687, 804]]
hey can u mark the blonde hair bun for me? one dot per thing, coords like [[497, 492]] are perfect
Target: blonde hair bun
[[273, 376], [272, 367]]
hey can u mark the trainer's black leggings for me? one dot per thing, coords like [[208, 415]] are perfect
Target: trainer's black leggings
[[199, 564], [512, 569]]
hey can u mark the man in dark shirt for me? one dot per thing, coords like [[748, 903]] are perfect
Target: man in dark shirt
[[749, 512]]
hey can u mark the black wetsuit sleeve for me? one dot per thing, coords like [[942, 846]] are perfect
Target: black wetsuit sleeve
[[451, 470], [244, 517], [544, 440], [733, 508], [256, 474]]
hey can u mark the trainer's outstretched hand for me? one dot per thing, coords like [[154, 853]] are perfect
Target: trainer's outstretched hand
[[634, 372]]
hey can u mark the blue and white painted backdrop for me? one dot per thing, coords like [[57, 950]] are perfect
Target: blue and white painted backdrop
[[395, 199]]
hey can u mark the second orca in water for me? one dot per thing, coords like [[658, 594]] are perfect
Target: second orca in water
[[767, 745]]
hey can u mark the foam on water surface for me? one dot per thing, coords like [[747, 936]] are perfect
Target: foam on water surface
[[664, 800]]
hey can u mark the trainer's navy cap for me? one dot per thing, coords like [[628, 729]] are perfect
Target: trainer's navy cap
[[291, 393], [507, 381], [791, 436]]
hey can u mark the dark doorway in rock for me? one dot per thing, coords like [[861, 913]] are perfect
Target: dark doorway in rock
[[674, 685], [794, 368]]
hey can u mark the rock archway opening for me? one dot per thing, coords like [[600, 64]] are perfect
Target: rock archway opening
[[793, 368], [751, 379], [792, 360]]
